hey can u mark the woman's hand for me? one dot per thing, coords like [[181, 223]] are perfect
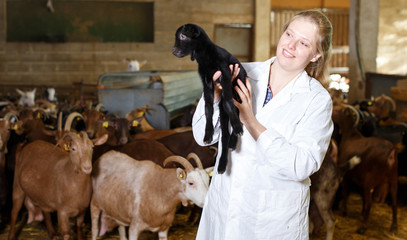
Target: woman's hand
[[217, 91], [246, 114], [245, 108]]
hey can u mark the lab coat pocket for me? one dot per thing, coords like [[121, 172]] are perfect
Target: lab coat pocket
[[278, 215]]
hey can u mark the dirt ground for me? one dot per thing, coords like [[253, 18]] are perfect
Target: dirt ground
[[378, 229]]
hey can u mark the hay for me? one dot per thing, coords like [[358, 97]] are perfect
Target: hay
[[378, 228]]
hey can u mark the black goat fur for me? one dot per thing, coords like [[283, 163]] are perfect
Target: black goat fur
[[190, 39]]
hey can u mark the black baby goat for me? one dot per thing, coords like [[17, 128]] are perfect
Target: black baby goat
[[191, 39]]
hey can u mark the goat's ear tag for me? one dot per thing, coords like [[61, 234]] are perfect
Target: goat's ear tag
[[79, 136], [66, 148], [106, 124], [210, 173], [78, 118], [38, 115], [15, 127], [180, 176], [134, 123], [140, 114], [54, 106]]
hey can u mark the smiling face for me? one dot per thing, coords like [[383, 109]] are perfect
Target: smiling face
[[298, 45]]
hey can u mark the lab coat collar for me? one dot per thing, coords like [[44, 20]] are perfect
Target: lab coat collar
[[259, 73]]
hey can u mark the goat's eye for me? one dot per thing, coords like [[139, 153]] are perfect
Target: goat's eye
[[74, 149], [191, 183], [182, 36]]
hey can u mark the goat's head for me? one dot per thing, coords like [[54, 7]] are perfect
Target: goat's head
[[27, 98], [134, 65], [383, 106], [118, 130], [195, 181], [187, 39], [80, 149], [51, 94], [91, 118], [345, 116]]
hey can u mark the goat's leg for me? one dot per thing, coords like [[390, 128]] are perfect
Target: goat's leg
[[224, 124], [228, 104], [393, 192], [94, 214], [208, 97], [63, 222], [134, 231], [344, 196], [122, 232], [48, 225], [163, 235], [18, 199], [368, 199], [325, 211], [79, 225], [34, 213]]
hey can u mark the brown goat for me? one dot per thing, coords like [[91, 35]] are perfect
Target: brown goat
[[118, 130], [378, 167], [55, 179]]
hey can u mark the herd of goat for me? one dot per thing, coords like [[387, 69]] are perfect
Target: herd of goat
[[74, 158]]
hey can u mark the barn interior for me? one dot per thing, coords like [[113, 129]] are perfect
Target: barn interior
[[115, 57]]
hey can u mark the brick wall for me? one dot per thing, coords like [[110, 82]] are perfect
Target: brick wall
[[61, 64]]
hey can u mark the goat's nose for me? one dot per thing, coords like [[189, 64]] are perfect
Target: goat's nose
[[87, 169], [123, 140]]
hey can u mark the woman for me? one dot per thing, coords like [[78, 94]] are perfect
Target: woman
[[264, 193]]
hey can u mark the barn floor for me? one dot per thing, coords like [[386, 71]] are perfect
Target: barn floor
[[379, 224]]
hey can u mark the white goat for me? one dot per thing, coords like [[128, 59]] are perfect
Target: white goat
[[27, 99], [134, 65], [143, 195]]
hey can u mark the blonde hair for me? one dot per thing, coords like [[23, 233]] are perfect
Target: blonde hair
[[319, 68]]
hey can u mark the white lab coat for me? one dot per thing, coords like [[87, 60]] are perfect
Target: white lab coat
[[264, 193]]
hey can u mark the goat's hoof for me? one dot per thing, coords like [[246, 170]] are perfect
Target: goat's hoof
[[238, 130], [393, 228], [208, 140], [361, 230]]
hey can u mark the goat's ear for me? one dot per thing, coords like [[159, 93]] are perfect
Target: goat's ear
[[181, 174], [192, 55], [101, 140], [20, 92], [209, 171], [196, 31]]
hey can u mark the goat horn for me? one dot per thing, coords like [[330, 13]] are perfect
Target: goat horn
[[47, 103], [391, 100], [215, 149], [69, 120], [99, 106], [356, 113], [187, 165], [60, 122], [196, 159], [10, 115]]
